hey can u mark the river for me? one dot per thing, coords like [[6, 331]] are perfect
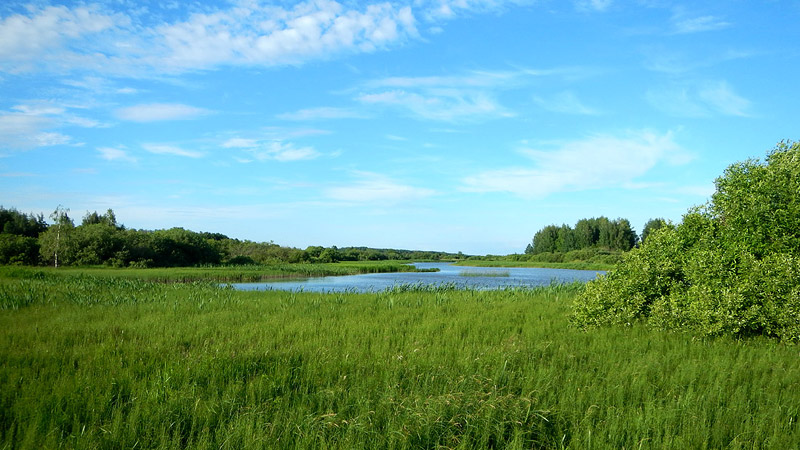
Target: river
[[460, 276]]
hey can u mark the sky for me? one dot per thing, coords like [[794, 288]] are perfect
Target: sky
[[450, 125]]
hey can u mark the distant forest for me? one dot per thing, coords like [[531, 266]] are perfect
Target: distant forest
[[99, 240], [614, 235]]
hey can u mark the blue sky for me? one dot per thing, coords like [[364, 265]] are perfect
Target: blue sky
[[455, 125]]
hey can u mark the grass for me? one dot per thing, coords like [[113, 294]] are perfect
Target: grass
[[231, 274], [110, 363]]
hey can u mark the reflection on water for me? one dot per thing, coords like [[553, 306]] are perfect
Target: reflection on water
[[466, 277]]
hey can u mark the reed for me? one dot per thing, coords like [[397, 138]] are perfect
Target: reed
[[100, 362]]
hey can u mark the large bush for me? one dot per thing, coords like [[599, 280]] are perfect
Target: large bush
[[730, 267]]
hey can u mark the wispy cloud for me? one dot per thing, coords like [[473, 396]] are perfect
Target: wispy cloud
[[699, 99], [686, 25], [160, 149], [240, 143], [115, 154], [592, 163], [720, 96], [445, 105], [24, 131], [445, 98], [435, 10], [565, 102], [321, 113], [153, 112], [376, 188], [593, 5], [271, 150]]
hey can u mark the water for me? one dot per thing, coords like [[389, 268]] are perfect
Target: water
[[461, 276]]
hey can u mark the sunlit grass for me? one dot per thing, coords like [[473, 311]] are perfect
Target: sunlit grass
[[231, 274], [92, 362]]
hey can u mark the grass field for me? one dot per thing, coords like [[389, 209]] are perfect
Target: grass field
[[102, 362]]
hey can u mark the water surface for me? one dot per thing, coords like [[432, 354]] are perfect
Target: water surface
[[461, 276]]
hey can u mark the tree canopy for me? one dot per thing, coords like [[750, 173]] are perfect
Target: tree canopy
[[588, 233], [100, 240], [731, 267]]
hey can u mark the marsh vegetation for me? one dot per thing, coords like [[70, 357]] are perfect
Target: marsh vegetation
[[104, 362]]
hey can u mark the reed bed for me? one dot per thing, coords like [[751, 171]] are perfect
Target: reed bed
[[97, 362], [225, 274]]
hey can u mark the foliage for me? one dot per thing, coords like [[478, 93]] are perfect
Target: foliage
[[591, 258], [18, 237], [652, 225], [588, 233], [99, 362], [732, 267], [100, 240], [19, 224]]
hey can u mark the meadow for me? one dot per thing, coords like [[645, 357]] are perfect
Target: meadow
[[104, 362]]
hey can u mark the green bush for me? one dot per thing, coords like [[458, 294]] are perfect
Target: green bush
[[732, 267]]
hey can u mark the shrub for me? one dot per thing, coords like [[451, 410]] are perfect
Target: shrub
[[732, 267]]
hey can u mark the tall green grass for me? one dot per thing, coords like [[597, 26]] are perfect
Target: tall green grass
[[231, 274], [92, 362]]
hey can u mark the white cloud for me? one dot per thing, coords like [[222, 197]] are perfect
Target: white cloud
[[246, 33], [240, 143], [721, 97], [270, 35], [115, 154], [448, 9], [26, 131], [698, 24], [160, 149], [40, 109], [152, 112], [445, 105], [272, 150], [699, 99], [444, 98], [565, 102], [376, 188], [46, 34], [321, 113], [593, 5], [592, 163]]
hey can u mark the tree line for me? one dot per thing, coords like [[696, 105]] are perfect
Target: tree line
[[599, 232], [99, 240]]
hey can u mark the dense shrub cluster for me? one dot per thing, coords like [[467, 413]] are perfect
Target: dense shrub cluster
[[732, 267]]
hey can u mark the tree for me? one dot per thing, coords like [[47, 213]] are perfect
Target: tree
[[566, 241], [108, 219], [17, 223], [652, 225], [731, 267], [546, 240], [623, 236], [586, 233], [63, 224]]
